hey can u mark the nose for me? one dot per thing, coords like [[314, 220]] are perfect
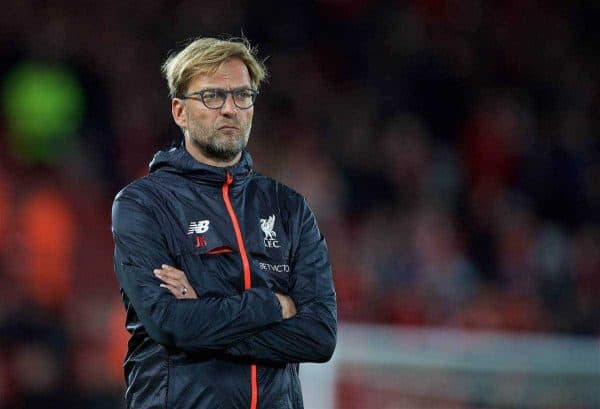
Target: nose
[[229, 108]]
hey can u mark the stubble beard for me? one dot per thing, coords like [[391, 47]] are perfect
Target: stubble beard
[[217, 145]]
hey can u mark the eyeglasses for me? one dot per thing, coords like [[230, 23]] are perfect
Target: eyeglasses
[[215, 98]]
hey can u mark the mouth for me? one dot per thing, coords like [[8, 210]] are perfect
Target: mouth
[[227, 127]]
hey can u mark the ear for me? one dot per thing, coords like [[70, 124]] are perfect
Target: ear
[[178, 112]]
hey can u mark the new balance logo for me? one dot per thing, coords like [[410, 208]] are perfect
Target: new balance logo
[[198, 227]]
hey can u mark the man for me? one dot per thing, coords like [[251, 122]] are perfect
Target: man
[[224, 274]]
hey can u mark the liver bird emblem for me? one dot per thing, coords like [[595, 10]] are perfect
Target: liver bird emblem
[[266, 226]]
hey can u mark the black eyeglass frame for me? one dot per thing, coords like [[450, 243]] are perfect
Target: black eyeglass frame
[[201, 93]]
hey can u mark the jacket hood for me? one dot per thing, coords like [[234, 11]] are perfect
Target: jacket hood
[[177, 160]]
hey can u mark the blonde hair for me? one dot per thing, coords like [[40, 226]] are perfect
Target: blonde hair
[[204, 55]]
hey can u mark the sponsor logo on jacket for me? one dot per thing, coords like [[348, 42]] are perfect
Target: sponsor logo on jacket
[[279, 268]]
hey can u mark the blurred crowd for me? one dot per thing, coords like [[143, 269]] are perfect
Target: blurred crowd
[[446, 147]]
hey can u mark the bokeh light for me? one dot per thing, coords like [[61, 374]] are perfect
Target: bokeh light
[[43, 107]]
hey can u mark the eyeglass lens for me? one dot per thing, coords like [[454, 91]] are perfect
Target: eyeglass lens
[[216, 98]]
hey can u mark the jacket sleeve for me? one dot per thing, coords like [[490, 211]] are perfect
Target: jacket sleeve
[[310, 336], [207, 323]]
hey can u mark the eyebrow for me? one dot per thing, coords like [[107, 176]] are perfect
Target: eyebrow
[[224, 89]]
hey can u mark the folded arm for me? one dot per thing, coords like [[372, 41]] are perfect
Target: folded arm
[[309, 336], [206, 323]]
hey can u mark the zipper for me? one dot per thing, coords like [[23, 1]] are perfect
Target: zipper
[[247, 277]]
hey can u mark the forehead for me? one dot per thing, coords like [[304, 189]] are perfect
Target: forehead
[[232, 73]]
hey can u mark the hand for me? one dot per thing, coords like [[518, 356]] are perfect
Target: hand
[[176, 282], [288, 308]]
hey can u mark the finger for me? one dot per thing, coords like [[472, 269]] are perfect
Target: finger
[[167, 278], [174, 277], [178, 280], [191, 293], [173, 273], [174, 290], [170, 274], [161, 272], [171, 269], [170, 281]]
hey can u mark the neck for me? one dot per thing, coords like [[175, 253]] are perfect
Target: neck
[[201, 157]]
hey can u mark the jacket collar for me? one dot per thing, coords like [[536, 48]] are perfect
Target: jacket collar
[[177, 160]]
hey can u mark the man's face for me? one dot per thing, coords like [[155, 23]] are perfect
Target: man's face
[[218, 135]]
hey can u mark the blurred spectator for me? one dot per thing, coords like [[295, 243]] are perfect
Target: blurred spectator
[[47, 227]]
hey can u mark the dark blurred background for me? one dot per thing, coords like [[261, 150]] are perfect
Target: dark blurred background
[[447, 148]]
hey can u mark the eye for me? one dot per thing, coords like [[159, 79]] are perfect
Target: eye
[[245, 93], [210, 95]]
